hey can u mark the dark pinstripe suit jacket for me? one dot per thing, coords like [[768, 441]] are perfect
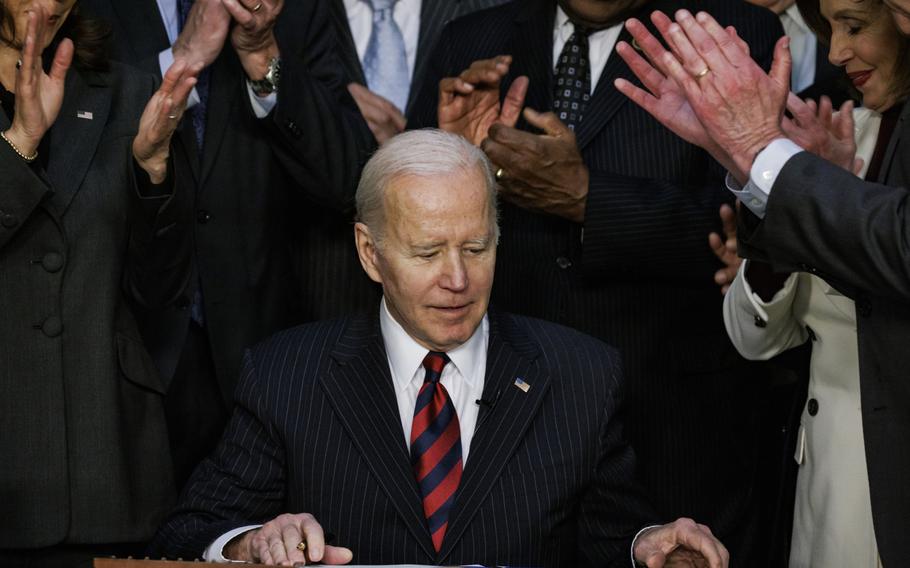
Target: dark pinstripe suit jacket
[[638, 274], [316, 429]]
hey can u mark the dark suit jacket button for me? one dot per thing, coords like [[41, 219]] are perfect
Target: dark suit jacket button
[[52, 261], [760, 322], [203, 216], [563, 262], [52, 326], [813, 407], [9, 220]]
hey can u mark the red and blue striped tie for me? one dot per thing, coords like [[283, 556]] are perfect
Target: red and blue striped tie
[[436, 447]]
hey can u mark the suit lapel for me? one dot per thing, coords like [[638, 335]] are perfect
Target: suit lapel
[[501, 429], [893, 170], [346, 45], [434, 14], [359, 386], [76, 133], [225, 90], [606, 99], [534, 41]]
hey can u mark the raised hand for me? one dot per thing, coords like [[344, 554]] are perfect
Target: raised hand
[[469, 104], [287, 540], [151, 146], [818, 129], [545, 171], [725, 249], [382, 116], [204, 33], [39, 95], [253, 35]]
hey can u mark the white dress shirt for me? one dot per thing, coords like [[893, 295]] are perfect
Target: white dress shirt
[[262, 106], [803, 49], [406, 14], [600, 44]]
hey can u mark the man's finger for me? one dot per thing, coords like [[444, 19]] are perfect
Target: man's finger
[[337, 555], [515, 99], [729, 45], [291, 537], [708, 53], [314, 537], [650, 45], [548, 122], [728, 219], [172, 76], [512, 138], [239, 12], [650, 77], [696, 540], [639, 96], [780, 66], [717, 245]]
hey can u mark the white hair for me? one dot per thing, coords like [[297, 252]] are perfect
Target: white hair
[[426, 153]]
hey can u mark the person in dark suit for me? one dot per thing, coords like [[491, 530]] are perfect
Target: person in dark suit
[[88, 219], [432, 431], [274, 131], [806, 214], [604, 230]]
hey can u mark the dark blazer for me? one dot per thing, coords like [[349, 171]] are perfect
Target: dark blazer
[[255, 180], [638, 273], [855, 234], [316, 429], [84, 445]]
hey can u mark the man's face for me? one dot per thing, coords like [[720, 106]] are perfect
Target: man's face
[[597, 14], [436, 259], [776, 6], [900, 10]]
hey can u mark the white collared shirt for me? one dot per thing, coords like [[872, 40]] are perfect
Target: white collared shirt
[[600, 44], [463, 376], [406, 14], [803, 49]]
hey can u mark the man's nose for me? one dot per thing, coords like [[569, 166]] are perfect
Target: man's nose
[[454, 274]]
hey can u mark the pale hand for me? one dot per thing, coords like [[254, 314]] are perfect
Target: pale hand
[[382, 116], [276, 543], [725, 248], [680, 543], [204, 33], [820, 130], [253, 34]]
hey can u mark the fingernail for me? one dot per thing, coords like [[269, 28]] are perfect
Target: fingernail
[[702, 17], [683, 15]]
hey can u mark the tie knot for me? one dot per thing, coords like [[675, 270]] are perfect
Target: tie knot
[[434, 362], [582, 31], [382, 6]]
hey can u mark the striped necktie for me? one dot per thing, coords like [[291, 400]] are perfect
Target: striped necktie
[[436, 447]]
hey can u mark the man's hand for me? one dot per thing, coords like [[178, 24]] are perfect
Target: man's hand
[[203, 34], [725, 249], [160, 118], [277, 543], [253, 35], [680, 543], [39, 95], [540, 171], [469, 104], [382, 116], [739, 105]]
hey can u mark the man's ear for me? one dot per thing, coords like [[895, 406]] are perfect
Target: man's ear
[[368, 251]]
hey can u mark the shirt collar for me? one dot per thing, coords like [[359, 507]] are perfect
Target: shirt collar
[[406, 355], [564, 27], [351, 4], [793, 13]]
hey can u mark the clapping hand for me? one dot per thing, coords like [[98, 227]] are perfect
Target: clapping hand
[[383, 117], [725, 249], [469, 104], [151, 147], [820, 130], [39, 95]]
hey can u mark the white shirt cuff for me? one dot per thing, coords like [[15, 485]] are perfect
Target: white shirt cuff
[[165, 60], [765, 169], [215, 551], [262, 106], [634, 540]]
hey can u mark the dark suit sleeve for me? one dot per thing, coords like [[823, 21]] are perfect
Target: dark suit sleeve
[[614, 508], [242, 483], [317, 131], [824, 219]]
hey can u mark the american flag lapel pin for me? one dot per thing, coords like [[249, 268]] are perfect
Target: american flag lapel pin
[[522, 385], [85, 114]]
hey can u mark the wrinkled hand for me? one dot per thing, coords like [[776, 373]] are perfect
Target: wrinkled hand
[[662, 97], [151, 146], [254, 29], [739, 105], [469, 104], [818, 129], [680, 543], [204, 33], [39, 95], [382, 116], [725, 249], [275, 543], [545, 171]]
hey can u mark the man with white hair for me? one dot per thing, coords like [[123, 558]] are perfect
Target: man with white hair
[[433, 431]]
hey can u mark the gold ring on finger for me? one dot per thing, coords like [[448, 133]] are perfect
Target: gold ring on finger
[[257, 7], [301, 546], [500, 173], [702, 73]]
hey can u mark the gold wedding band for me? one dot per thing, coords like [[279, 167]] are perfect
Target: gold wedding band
[[256, 8], [500, 173], [702, 73], [302, 546]]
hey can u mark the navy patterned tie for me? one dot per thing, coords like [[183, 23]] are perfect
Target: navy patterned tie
[[436, 447], [197, 113], [573, 79]]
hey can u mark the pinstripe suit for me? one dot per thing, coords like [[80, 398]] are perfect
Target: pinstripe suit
[[638, 274], [316, 429]]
